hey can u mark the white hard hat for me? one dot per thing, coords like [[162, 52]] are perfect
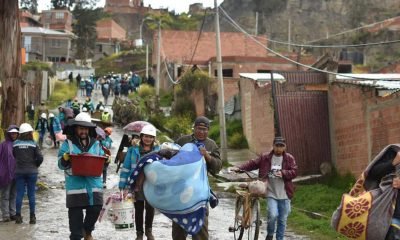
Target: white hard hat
[[83, 119], [101, 108], [149, 130], [106, 110], [25, 127], [51, 115], [84, 109], [43, 115]]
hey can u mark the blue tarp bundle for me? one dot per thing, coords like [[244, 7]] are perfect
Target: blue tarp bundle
[[177, 187]]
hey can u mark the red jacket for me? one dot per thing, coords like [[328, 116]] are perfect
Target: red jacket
[[263, 164]]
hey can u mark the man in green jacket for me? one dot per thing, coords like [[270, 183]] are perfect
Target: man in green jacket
[[211, 154]]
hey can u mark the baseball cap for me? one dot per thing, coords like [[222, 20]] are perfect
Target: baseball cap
[[14, 130], [279, 140], [202, 121]]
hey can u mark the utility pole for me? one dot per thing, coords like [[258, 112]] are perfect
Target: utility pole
[[289, 34], [256, 28], [222, 128], [147, 61], [158, 59]]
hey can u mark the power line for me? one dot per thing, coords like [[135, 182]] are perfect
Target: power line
[[237, 26], [198, 38], [349, 30], [334, 46]]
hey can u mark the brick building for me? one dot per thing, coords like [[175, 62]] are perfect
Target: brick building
[[362, 118], [57, 19], [109, 37], [26, 19]]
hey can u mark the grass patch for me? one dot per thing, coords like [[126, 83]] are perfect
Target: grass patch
[[62, 92], [323, 197]]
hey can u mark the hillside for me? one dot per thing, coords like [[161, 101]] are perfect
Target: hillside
[[309, 19]]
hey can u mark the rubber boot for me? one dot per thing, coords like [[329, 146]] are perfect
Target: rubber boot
[[32, 219], [18, 219], [139, 235], [87, 236], [149, 234]]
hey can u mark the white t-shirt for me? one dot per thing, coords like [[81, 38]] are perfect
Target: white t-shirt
[[276, 185]]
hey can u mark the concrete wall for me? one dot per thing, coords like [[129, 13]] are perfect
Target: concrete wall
[[362, 124]]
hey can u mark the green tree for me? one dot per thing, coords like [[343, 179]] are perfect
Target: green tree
[[85, 29], [30, 5], [63, 4]]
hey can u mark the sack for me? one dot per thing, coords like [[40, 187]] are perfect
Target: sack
[[365, 213], [258, 188]]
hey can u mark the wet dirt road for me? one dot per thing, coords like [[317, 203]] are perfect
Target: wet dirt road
[[52, 217]]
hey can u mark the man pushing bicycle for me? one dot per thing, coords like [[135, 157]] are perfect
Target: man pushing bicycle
[[280, 168]]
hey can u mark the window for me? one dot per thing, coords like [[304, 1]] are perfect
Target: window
[[100, 48], [59, 15], [55, 43], [263, 71], [225, 72]]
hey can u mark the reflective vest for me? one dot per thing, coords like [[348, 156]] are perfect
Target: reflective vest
[[106, 117]]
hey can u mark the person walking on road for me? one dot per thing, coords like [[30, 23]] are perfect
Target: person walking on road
[[28, 159], [105, 90], [107, 143], [279, 168], [8, 191], [83, 192], [42, 126], [135, 152], [54, 128], [30, 109], [211, 154]]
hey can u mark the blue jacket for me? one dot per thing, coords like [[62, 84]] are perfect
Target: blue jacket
[[107, 142], [54, 125], [81, 191], [131, 159]]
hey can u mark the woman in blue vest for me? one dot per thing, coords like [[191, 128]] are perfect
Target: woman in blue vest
[[146, 145]]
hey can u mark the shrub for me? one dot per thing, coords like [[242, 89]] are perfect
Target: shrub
[[237, 141], [62, 92], [146, 90], [179, 125]]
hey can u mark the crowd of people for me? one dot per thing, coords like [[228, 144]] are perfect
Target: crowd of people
[[20, 158]]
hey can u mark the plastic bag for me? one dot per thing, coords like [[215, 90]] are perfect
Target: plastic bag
[[258, 188]]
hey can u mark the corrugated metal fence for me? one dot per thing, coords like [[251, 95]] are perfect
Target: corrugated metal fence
[[304, 119]]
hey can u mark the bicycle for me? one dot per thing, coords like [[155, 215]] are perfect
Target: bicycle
[[247, 214]]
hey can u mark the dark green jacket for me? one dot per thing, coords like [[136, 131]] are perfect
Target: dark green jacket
[[213, 166]]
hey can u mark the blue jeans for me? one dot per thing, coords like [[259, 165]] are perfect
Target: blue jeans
[[278, 211], [28, 180]]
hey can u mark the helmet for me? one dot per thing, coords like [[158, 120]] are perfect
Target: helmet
[[25, 127], [108, 130], [106, 110], [149, 130], [101, 108], [84, 109], [83, 119], [43, 115], [51, 115]]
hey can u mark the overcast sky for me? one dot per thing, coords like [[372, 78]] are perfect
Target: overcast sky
[[178, 5]]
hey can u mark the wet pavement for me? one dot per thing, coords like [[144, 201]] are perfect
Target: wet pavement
[[52, 216]]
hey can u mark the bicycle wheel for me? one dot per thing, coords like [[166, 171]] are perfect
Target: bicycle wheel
[[254, 227], [238, 229]]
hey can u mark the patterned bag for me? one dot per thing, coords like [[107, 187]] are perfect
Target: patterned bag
[[366, 211]]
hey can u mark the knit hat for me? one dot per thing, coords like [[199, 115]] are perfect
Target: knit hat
[[202, 121]]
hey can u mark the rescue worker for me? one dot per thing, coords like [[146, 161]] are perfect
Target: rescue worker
[[83, 192], [146, 145], [107, 143], [42, 126], [106, 116]]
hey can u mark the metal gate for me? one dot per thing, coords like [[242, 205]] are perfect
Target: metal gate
[[301, 108]]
